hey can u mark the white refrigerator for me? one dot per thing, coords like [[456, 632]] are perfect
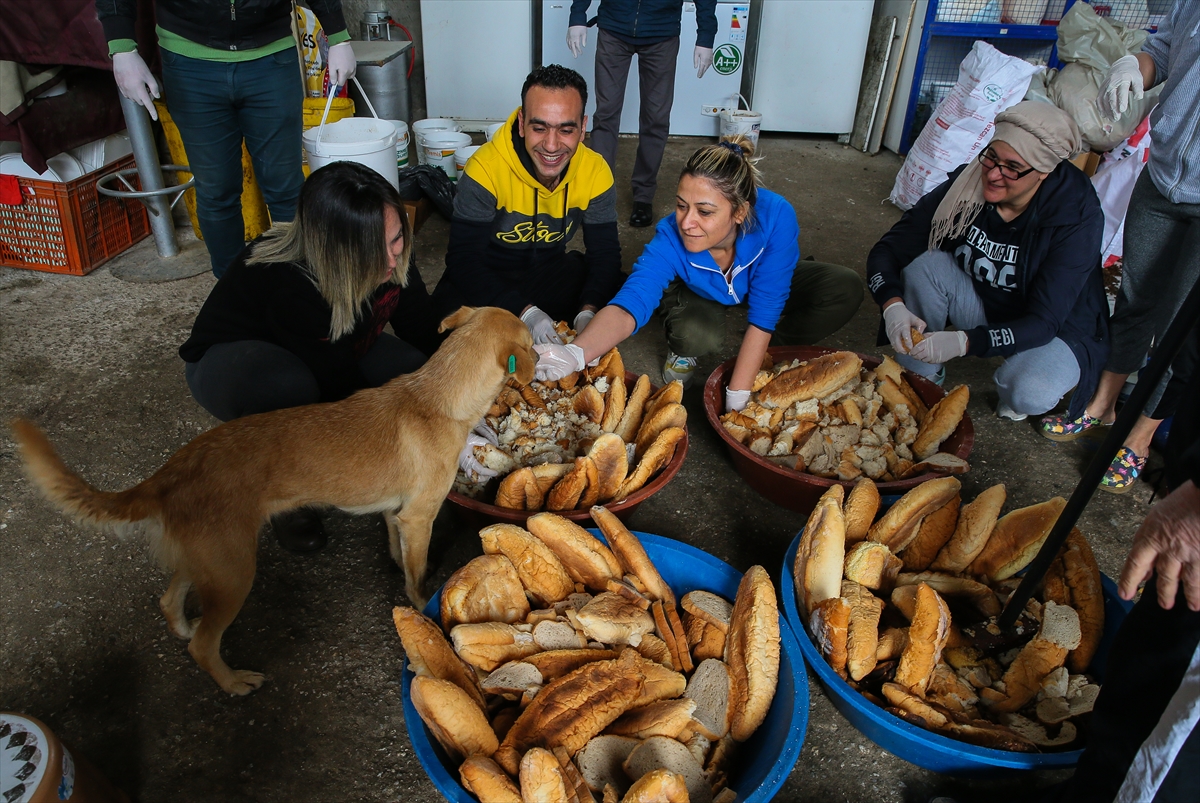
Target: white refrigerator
[[808, 62], [696, 99]]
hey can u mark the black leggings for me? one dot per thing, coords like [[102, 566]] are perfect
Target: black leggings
[[246, 377]]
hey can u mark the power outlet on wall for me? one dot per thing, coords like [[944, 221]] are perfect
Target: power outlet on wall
[[711, 111]]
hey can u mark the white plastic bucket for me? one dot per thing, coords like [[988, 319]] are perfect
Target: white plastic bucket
[[433, 124], [401, 143], [1026, 12], [737, 121], [365, 140], [461, 156], [492, 129], [439, 150]]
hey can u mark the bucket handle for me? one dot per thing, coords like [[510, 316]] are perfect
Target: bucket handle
[[329, 102], [737, 107]]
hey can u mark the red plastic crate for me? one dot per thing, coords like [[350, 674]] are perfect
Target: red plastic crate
[[69, 227]]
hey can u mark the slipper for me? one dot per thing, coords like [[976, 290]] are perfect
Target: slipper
[[643, 215], [1062, 429], [1123, 472]]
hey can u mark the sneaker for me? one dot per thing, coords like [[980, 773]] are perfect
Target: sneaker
[[681, 368], [1123, 472], [1004, 411], [1062, 429], [642, 216], [299, 530]]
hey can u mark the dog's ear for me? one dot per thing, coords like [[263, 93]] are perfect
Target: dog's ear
[[456, 318], [523, 358]]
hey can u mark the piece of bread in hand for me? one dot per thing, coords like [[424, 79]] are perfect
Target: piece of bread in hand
[[872, 564], [585, 558], [899, 526], [631, 554], [941, 421], [860, 509], [612, 619], [430, 655], [862, 635], [542, 778], [927, 637], [822, 551], [976, 520], [812, 379], [1016, 539], [454, 719], [483, 778], [540, 571], [935, 530], [487, 589], [752, 652]]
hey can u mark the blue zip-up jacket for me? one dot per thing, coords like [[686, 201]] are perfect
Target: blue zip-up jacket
[[765, 257], [1056, 288], [1175, 158], [649, 19]]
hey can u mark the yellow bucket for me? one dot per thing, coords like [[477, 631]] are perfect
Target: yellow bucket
[[255, 215]]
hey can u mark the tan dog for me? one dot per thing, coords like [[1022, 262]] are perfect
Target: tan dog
[[392, 448]]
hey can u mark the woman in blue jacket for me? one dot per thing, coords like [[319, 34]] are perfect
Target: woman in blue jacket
[[729, 242], [1007, 251]]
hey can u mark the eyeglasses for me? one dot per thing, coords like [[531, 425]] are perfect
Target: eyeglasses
[[988, 160]]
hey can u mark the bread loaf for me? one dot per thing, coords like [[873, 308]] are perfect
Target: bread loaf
[[935, 530], [612, 619], [556, 663], [542, 778], [829, 624], [454, 719], [631, 419], [670, 393], [631, 555], [1059, 634], [614, 402], [926, 638], [547, 474], [612, 464], [862, 636], [975, 523], [950, 585], [430, 655], [589, 403], [654, 460], [871, 564], [861, 506], [1016, 539], [566, 492], [899, 525], [658, 786], [1082, 576], [661, 718], [519, 491], [941, 421], [752, 652], [486, 589], [586, 560], [539, 570], [487, 645], [813, 379], [666, 416], [822, 551], [483, 778]]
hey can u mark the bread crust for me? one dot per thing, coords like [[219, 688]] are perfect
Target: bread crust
[[941, 421], [631, 554], [486, 589], [654, 460], [670, 393], [1038, 658], [556, 663], [936, 529], [1082, 576], [812, 379], [899, 525], [614, 402], [752, 652], [862, 635], [612, 465], [586, 560], [658, 786], [430, 655], [589, 403], [927, 637], [519, 491], [860, 509], [635, 408], [871, 564], [542, 778], [660, 718], [829, 624], [452, 716], [822, 551], [566, 492], [1016, 539], [667, 415], [539, 570], [976, 521], [483, 778]]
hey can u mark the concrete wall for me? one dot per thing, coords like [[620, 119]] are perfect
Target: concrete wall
[[408, 14]]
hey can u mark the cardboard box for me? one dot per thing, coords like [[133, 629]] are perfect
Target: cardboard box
[[418, 212], [1087, 161]]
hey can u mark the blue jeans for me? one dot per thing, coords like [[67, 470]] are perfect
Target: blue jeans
[[216, 105]]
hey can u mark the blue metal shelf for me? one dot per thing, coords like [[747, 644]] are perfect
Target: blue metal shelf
[[983, 31]]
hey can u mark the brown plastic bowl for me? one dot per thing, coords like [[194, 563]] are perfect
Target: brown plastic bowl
[[483, 513], [798, 490]]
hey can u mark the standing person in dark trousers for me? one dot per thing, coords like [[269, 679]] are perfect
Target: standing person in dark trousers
[[230, 72], [523, 197], [1162, 237], [298, 318], [648, 29]]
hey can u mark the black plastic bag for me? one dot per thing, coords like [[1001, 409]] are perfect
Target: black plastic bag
[[417, 181]]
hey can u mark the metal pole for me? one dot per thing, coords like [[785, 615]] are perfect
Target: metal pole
[[1148, 379], [141, 137]]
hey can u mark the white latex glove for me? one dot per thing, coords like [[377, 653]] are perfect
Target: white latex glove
[[342, 64], [702, 59], [582, 320], [938, 347], [135, 81], [898, 321], [469, 464], [1123, 78], [556, 361], [541, 326], [736, 399], [577, 39]]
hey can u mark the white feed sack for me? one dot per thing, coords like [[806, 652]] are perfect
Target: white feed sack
[[988, 83]]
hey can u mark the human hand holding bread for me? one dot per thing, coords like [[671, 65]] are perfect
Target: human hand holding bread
[[590, 692], [899, 322]]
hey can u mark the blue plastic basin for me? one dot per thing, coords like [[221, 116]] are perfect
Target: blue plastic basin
[[761, 765], [917, 745]]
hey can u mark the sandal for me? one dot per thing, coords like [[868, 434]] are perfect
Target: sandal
[[1062, 429], [1123, 472]]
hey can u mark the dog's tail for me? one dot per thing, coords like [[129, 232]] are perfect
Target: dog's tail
[[68, 491]]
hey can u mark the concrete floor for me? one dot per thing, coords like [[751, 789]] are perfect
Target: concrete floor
[[93, 360]]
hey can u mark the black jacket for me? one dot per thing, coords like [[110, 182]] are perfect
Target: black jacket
[[220, 24], [649, 19], [1057, 288], [278, 303]]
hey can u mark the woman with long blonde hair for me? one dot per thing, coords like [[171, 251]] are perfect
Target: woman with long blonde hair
[[298, 318], [731, 241]]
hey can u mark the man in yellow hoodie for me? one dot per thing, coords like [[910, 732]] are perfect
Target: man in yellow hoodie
[[523, 197]]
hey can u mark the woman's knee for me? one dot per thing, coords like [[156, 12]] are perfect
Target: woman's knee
[[1032, 392], [691, 337]]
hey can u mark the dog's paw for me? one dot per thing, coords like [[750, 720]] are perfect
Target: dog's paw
[[243, 682]]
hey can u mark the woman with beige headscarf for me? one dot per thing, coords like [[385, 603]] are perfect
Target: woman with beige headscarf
[[1007, 252]]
